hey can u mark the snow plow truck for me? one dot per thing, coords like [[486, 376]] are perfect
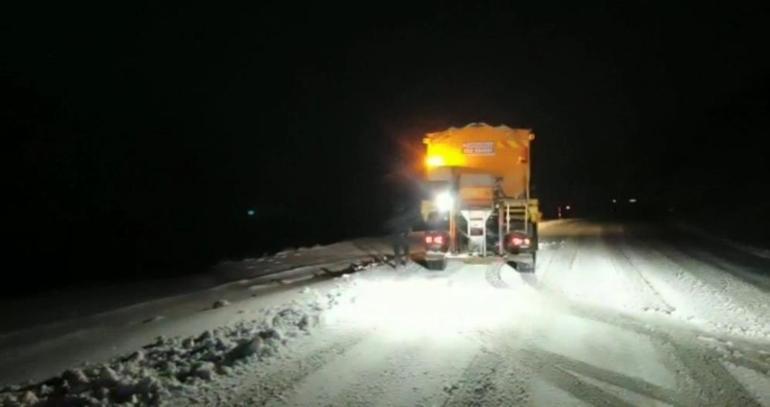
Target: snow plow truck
[[476, 196]]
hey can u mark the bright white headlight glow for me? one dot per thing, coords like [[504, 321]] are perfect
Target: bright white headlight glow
[[444, 201], [421, 306]]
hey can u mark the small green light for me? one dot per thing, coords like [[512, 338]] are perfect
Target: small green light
[[251, 212]]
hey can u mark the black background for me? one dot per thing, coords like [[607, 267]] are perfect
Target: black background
[[137, 137]]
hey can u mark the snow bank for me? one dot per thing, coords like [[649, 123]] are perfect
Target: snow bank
[[175, 366]]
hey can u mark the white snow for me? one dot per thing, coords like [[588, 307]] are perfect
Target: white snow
[[173, 366], [762, 252], [609, 317], [756, 383]]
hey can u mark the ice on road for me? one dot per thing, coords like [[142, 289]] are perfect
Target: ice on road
[[613, 315]]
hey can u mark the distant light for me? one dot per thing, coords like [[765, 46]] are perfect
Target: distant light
[[251, 212], [435, 161], [444, 201], [567, 207], [614, 200], [631, 200]]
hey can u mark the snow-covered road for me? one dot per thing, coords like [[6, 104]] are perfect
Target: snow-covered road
[[613, 315]]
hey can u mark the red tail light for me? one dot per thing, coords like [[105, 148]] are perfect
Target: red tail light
[[518, 241], [428, 239], [438, 240]]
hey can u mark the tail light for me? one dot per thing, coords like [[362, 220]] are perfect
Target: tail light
[[518, 241], [435, 239]]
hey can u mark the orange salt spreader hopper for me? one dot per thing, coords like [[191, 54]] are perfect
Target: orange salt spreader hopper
[[486, 171]]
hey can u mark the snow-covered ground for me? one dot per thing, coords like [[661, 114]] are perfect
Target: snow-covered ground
[[613, 315], [763, 252]]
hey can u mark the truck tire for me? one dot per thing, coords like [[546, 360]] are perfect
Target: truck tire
[[436, 264], [534, 235]]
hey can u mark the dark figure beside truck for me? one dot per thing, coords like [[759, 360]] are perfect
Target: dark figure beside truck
[[399, 226]]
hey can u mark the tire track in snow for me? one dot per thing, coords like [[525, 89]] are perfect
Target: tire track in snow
[[717, 386], [734, 275], [618, 252], [258, 383], [387, 372], [493, 277], [745, 274], [581, 390], [488, 381], [502, 375], [576, 370], [701, 378], [562, 261], [533, 364], [748, 265], [355, 377], [736, 306], [695, 364], [751, 359]]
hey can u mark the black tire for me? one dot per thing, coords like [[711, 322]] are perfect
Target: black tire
[[436, 264], [534, 235], [535, 244]]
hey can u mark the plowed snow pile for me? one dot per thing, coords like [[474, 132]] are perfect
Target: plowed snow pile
[[174, 366]]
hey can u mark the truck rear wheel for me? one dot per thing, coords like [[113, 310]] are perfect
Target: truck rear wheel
[[534, 235], [436, 264], [535, 244]]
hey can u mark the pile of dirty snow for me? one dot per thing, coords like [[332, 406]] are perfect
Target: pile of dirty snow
[[173, 367]]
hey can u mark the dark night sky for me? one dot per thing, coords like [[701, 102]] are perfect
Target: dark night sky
[[145, 132]]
